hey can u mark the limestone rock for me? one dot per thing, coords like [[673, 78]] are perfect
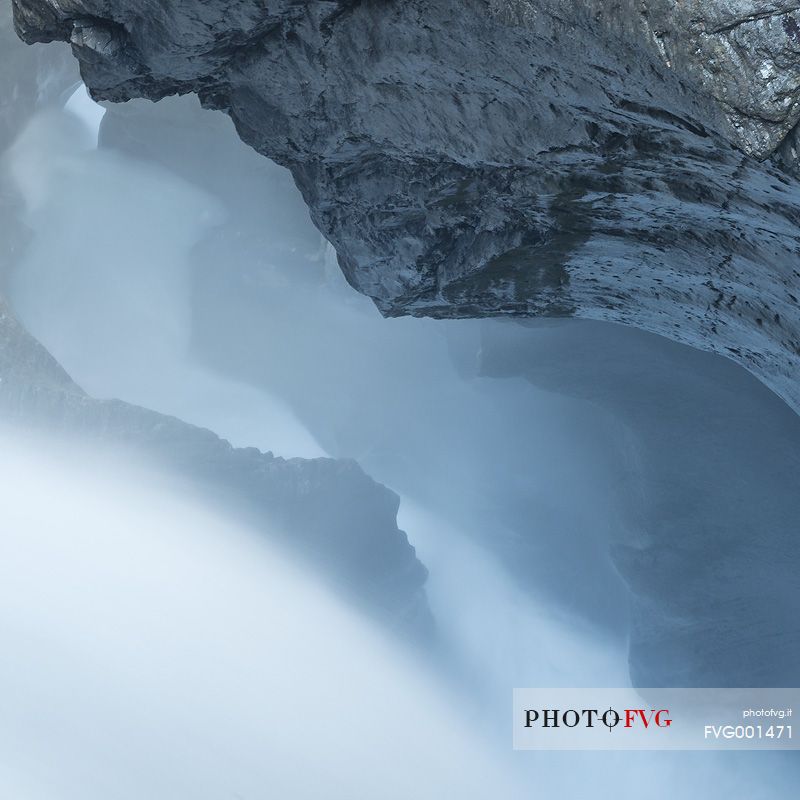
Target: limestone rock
[[509, 158]]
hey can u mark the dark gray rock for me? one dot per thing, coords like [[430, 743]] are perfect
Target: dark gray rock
[[333, 515], [514, 158], [744, 53]]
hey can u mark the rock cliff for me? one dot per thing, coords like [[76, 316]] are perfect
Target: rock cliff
[[508, 157]]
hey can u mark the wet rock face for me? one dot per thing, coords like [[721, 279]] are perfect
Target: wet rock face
[[555, 158], [748, 53], [744, 53]]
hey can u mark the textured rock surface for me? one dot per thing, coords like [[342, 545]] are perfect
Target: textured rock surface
[[744, 53], [334, 515], [547, 158]]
